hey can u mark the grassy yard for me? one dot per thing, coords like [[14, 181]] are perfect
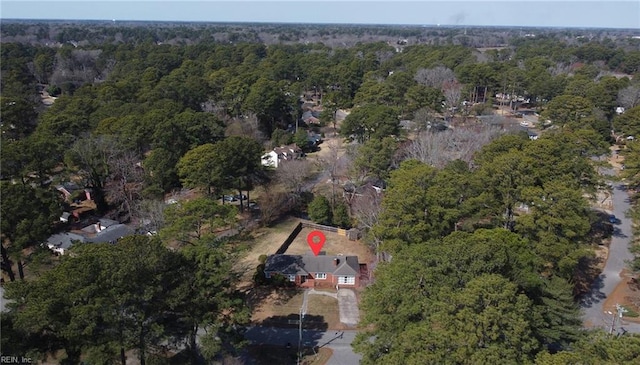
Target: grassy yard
[[281, 308], [325, 307]]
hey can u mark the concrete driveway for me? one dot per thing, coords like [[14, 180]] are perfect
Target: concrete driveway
[[348, 306]]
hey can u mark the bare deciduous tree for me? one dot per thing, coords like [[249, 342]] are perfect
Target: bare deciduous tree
[[629, 97], [78, 67], [434, 77], [452, 91], [149, 214], [423, 118], [366, 209], [273, 204], [247, 126], [384, 56], [439, 148], [126, 180], [293, 174], [90, 157], [560, 69]]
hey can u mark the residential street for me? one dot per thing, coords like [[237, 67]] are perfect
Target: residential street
[[610, 277], [338, 341]]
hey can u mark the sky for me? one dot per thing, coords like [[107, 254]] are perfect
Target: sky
[[532, 13]]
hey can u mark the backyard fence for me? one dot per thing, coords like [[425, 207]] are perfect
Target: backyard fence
[[352, 234]]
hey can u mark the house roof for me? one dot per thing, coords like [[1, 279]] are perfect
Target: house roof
[[111, 234], [290, 149], [68, 186], [64, 240], [306, 264]]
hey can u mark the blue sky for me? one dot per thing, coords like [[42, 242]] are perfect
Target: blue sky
[[571, 13]]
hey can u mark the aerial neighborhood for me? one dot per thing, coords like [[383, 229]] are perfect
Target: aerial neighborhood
[[264, 193]]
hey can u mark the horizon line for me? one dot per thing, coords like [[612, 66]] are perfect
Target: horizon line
[[115, 21]]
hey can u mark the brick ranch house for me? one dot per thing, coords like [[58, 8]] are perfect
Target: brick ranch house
[[310, 271]]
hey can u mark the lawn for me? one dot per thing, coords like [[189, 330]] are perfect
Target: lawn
[[281, 308], [325, 307]]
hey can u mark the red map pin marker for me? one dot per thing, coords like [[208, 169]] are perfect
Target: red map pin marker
[[316, 240]]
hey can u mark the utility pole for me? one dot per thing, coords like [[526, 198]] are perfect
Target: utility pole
[[300, 337], [620, 310]]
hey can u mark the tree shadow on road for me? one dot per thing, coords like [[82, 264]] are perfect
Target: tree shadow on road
[[587, 274], [310, 322], [595, 295]]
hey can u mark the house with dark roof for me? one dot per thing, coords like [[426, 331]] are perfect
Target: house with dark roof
[[103, 231], [68, 189], [315, 271], [311, 117], [60, 243]]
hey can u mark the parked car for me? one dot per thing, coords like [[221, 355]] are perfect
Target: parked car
[[253, 205], [229, 198], [240, 197]]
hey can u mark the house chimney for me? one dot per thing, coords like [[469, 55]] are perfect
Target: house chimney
[[336, 261]]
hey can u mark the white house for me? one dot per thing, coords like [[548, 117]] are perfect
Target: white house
[[270, 159], [274, 158]]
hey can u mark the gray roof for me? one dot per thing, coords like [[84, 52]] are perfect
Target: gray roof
[[69, 186], [306, 264], [107, 222], [111, 234], [64, 240]]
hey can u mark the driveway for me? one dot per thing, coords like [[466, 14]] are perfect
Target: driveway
[[591, 304], [348, 306]]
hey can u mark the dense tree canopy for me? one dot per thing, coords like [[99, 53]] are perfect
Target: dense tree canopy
[[371, 121], [106, 299], [451, 300], [483, 249]]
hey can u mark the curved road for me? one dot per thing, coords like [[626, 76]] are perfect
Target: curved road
[[591, 304]]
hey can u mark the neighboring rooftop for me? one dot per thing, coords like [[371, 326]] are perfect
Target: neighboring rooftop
[[104, 231]]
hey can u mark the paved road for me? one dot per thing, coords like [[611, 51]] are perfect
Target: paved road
[[591, 304], [339, 342]]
